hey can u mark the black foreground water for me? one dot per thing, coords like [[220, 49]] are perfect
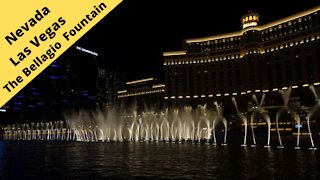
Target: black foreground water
[[78, 160]]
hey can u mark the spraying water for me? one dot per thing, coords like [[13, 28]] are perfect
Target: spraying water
[[285, 94], [244, 120], [219, 118], [311, 113], [259, 110]]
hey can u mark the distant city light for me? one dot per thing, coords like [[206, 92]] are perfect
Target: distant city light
[[87, 51], [3, 110]]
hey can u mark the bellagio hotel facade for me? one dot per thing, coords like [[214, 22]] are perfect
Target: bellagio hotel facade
[[254, 60]]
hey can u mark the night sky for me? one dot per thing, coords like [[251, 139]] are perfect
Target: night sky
[[131, 38]]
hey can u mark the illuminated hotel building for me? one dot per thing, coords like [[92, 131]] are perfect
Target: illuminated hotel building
[[257, 59], [143, 93]]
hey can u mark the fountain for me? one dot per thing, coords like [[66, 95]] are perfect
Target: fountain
[[259, 110], [203, 131], [244, 120], [182, 125], [219, 118], [311, 113], [285, 94]]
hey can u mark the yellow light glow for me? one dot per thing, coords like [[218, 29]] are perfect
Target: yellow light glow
[[139, 81], [174, 53], [127, 94], [228, 35], [121, 92], [158, 86]]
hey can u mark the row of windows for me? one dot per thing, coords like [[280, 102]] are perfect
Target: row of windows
[[297, 36], [216, 88], [221, 58], [307, 20], [292, 43], [285, 31], [236, 56], [295, 69], [214, 94], [220, 44]]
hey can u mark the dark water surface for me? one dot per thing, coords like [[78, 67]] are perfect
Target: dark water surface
[[76, 160]]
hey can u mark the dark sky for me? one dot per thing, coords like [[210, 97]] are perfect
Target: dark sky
[[132, 38]]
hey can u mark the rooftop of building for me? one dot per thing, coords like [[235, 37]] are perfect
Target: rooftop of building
[[241, 32]]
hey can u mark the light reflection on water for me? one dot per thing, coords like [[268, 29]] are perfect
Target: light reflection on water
[[73, 160]]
